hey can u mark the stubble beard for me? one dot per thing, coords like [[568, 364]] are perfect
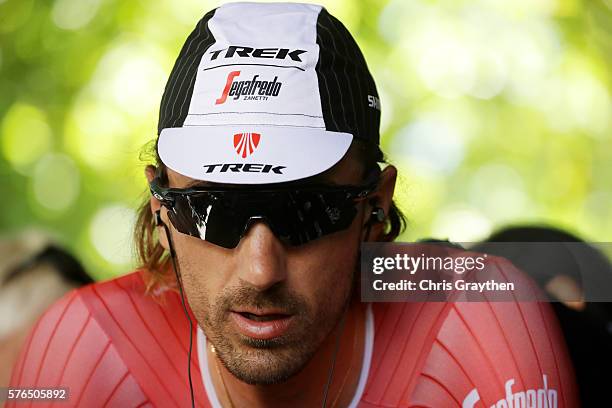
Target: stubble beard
[[273, 361]]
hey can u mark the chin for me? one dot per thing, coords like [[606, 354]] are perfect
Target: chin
[[266, 366]]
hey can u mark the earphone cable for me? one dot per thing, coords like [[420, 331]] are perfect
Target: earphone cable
[[180, 285]]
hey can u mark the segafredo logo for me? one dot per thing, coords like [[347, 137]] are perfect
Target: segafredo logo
[[249, 52], [246, 143], [533, 398], [253, 90]]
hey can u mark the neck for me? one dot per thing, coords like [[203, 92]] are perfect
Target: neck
[[306, 388]]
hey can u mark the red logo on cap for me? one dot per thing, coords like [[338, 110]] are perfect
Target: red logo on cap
[[246, 143], [228, 85]]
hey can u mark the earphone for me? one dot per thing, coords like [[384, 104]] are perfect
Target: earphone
[[158, 219], [377, 215]]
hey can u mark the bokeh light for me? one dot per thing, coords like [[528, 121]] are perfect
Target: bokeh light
[[74, 14], [498, 191], [430, 144], [56, 182], [110, 232], [95, 133], [26, 135], [461, 224]]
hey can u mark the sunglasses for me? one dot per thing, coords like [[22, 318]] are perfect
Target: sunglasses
[[295, 214]]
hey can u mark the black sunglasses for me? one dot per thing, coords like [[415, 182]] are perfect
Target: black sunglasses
[[296, 214]]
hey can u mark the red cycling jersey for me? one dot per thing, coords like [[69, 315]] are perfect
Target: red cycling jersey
[[115, 346]]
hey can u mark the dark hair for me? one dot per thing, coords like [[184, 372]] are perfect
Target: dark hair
[[371, 156], [583, 262], [153, 257], [59, 259]]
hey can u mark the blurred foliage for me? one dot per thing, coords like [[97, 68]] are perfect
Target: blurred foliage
[[494, 111]]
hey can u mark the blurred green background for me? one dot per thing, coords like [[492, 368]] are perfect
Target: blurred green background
[[494, 111]]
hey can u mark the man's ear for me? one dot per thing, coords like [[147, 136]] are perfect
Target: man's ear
[[382, 197], [156, 206]]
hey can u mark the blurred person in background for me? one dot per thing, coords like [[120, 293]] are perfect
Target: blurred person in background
[[34, 273], [570, 275]]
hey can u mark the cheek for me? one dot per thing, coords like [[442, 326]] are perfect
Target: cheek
[[324, 271], [202, 269]]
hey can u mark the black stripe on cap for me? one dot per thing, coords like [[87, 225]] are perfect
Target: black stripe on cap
[[179, 88], [345, 82]]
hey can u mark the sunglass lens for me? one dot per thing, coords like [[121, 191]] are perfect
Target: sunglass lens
[[295, 217]]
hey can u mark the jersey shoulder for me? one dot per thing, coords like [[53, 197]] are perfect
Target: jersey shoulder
[[469, 354], [110, 342]]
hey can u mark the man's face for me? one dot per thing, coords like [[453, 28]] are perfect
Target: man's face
[[267, 306]]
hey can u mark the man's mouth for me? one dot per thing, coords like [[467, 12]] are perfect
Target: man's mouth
[[262, 318], [261, 324]]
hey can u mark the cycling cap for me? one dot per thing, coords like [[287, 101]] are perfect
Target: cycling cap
[[266, 93]]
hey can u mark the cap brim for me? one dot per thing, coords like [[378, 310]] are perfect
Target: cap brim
[[228, 154]]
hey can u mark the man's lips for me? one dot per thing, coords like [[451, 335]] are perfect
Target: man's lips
[[260, 312], [261, 324]]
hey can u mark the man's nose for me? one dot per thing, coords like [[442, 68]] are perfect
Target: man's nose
[[261, 257]]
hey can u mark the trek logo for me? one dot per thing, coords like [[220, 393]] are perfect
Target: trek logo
[[541, 398], [253, 90], [246, 143], [248, 52], [244, 168]]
